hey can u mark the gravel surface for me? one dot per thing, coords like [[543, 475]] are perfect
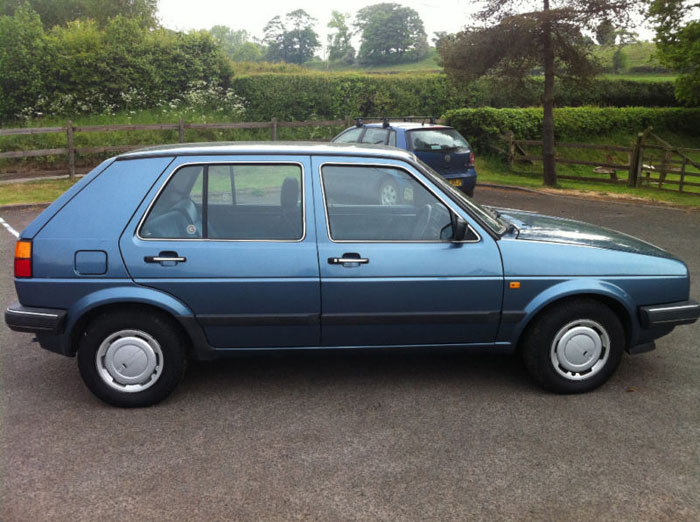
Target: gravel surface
[[342, 436]]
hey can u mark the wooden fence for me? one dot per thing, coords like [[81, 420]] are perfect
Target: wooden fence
[[646, 164], [70, 130]]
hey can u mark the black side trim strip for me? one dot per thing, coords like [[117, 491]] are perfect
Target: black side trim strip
[[259, 320], [512, 317], [411, 318]]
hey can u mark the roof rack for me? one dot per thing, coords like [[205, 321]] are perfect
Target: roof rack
[[385, 119]]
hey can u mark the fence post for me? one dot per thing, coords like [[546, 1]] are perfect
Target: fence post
[[348, 121], [273, 129], [664, 167], [636, 159], [181, 130], [682, 182], [71, 148], [511, 148]]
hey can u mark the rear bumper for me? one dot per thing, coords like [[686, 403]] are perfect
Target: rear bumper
[[41, 321], [670, 314]]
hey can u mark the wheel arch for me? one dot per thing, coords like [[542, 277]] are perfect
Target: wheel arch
[[146, 300], [608, 295]]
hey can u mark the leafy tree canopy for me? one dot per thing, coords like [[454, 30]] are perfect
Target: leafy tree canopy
[[339, 47], [292, 39], [236, 44], [678, 43], [391, 33], [60, 12]]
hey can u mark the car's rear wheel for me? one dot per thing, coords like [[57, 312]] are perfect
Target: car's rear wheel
[[574, 347], [131, 359]]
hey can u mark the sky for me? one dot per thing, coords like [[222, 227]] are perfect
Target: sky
[[437, 15]]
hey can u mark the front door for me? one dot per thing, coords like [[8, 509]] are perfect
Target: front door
[[234, 239], [390, 274]]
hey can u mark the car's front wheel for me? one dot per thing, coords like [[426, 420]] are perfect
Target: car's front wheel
[[574, 347], [131, 359]]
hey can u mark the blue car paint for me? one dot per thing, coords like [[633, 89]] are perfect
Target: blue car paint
[[361, 304]]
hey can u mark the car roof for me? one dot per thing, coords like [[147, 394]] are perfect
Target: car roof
[[271, 148]]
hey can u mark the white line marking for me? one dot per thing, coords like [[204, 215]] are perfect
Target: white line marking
[[8, 227]]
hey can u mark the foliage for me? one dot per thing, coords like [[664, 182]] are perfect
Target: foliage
[[339, 47], [236, 45], [391, 33], [619, 61], [292, 40], [678, 43], [334, 96], [23, 59], [605, 32], [60, 12], [80, 67], [484, 127]]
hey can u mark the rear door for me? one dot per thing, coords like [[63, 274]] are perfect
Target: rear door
[[390, 276], [233, 238]]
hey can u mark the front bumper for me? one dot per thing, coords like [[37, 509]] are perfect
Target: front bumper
[[35, 320], [671, 314]]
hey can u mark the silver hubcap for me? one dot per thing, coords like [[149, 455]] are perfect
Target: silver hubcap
[[580, 349], [389, 195], [129, 361]]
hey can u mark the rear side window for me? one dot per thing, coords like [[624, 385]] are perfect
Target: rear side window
[[376, 136], [349, 136], [425, 140], [229, 201]]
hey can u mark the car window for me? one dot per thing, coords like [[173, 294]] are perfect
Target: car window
[[369, 203], [376, 136], [424, 140], [229, 201], [349, 136]]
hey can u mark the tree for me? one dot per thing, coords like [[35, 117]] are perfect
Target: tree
[[391, 33], [605, 33], [292, 40], [339, 47], [60, 12], [513, 44], [236, 44], [678, 44]]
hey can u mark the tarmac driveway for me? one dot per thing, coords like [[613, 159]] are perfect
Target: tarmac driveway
[[339, 436]]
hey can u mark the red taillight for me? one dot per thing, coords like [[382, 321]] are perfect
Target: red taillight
[[23, 259], [471, 159]]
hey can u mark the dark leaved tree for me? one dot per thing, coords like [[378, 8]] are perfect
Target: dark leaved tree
[[292, 39], [522, 36]]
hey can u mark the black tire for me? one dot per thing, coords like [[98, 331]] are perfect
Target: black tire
[[564, 336], [137, 333]]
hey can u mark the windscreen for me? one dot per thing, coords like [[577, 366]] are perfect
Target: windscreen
[[426, 140]]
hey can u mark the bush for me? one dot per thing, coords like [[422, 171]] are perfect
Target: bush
[[484, 127]]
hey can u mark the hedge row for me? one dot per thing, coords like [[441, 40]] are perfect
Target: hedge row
[[309, 96], [484, 127]]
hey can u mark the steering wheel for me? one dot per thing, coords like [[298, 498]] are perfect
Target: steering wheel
[[422, 221]]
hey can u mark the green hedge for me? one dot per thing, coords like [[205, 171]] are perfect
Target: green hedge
[[485, 126], [333, 96]]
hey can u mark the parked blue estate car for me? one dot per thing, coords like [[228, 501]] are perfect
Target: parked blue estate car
[[441, 147], [203, 251]]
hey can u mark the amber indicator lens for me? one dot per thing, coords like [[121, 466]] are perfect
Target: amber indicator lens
[[23, 259], [515, 284]]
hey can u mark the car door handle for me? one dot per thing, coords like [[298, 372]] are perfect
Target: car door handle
[[165, 257], [348, 258]]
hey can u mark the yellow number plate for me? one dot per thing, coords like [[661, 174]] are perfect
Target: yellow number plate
[[455, 182]]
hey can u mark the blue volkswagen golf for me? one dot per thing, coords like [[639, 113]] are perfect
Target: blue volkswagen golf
[[180, 252], [443, 148]]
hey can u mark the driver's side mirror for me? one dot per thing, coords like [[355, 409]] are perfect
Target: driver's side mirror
[[459, 228]]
